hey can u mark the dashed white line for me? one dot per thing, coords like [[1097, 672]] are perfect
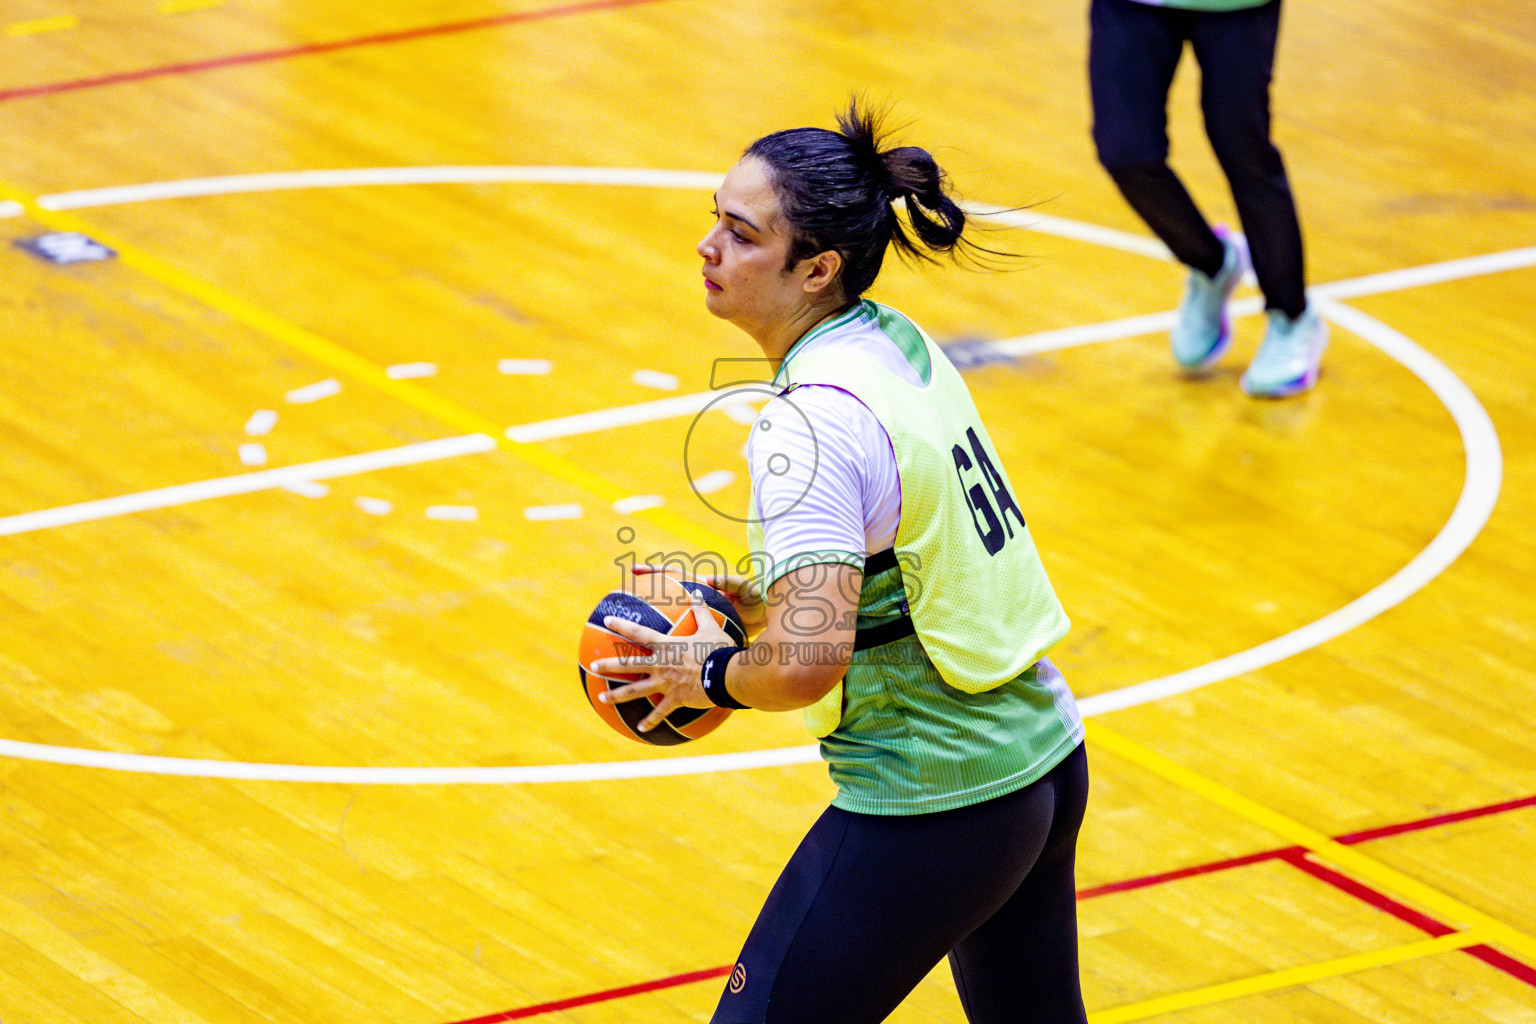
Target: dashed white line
[[525, 366], [709, 483], [655, 379], [306, 488], [314, 392], [261, 422], [638, 503], [546, 513], [246, 483], [453, 513]]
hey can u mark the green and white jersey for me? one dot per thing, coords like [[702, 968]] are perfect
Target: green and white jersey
[[875, 443]]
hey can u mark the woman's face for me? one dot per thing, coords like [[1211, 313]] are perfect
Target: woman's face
[[745, 280]]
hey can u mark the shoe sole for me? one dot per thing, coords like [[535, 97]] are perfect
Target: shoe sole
[[1291, 387]]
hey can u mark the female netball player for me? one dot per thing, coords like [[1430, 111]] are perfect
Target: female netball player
[[900, 601]]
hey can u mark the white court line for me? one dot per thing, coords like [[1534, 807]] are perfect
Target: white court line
[[245, 483], [607, 419], [314, 392], [1046, 341], [306, 488], [1479, 494], [1479, 491], [600, 771], [347, 177], [1093, 234], [452, 513], [261, 422], [366, 462], [410, 371], [692, 404], [1431, 273], [1373, 284], [9, 208]]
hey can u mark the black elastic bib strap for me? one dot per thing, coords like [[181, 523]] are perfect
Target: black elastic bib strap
[[880, 561], [886, 633], [712, 676], [890, 632]]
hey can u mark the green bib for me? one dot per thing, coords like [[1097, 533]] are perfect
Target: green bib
[[907, 728]]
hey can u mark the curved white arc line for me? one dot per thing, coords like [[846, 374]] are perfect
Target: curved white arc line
[[1479, 492], [1093, 234], [348, 775], [343, 178], [1479, 495]]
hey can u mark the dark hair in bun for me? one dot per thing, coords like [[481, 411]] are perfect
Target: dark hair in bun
[[839, 190]]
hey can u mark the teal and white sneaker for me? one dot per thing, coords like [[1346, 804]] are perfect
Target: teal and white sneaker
[[1288, 359], [1204, 330]]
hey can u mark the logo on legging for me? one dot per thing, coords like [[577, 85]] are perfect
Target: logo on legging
[[738, 978]]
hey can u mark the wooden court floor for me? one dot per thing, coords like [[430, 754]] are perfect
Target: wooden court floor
[[396, 356]]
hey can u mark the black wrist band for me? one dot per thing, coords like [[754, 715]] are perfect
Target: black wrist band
[[712, 676]]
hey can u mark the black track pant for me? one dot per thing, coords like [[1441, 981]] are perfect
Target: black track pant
[[870, 903], [1132, 53]]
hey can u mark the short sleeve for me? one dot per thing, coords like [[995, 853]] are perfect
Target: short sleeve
[[810, 455]]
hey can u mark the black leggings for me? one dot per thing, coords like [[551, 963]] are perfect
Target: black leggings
[[869, 904], [1132, 53]]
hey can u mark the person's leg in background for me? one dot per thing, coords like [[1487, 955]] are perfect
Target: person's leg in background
[[1236, 53], [1133, 51]]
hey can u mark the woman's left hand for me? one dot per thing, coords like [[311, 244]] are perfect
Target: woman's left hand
[[672, 669]]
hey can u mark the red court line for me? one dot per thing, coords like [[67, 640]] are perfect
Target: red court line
[[602, 997], [1350, 839], [1190, 872], [1381, 901], [1437, 820], [1294, 855], [309, 49]]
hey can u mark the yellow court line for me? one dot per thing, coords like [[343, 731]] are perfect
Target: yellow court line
[[1325, 849], [1289, 978], [37, 26], [347, 362]]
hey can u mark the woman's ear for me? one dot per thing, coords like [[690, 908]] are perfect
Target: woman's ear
[[825, 268]]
